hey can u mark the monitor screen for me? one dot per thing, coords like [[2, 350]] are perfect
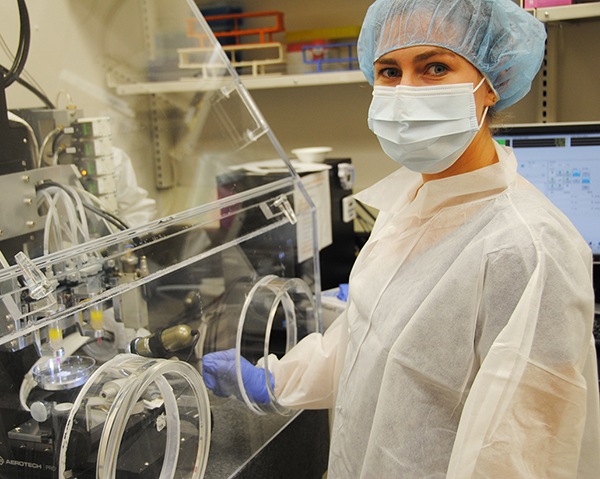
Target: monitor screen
[[563, 162]]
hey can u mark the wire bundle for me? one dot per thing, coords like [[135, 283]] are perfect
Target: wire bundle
[[23, 48], [66, 218], [14, 73]]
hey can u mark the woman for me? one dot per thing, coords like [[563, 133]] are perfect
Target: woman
[[466, 347]]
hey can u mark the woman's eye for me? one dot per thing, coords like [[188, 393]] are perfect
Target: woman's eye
[[390, 73], [437, 69]]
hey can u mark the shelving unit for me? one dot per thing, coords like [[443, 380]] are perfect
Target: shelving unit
[[554, 16], [271, 81], [313, 97], [568, 12], [258, 82]]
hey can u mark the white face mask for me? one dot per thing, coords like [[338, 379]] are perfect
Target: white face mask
[[425, 128]]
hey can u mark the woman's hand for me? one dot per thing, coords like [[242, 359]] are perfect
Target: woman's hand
[[219, 371]]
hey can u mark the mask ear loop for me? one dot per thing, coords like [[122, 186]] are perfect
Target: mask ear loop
[[483, 116], [487, 107], [479, 85]]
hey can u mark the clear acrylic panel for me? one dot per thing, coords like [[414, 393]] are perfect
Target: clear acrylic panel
[[134, 230]]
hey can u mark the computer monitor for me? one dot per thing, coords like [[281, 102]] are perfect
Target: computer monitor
[[563, 161]]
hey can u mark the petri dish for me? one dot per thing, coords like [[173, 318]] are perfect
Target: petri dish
[[56, 374]]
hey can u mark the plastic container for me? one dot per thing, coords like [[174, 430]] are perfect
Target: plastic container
[[315, 154]]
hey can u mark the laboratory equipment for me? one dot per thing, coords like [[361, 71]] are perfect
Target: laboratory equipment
[[103, 324], [337, 56], [563, 162], [338, 258], [254, 54]]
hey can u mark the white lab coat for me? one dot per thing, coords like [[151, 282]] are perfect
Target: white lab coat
[[136, 208], [466, 349]]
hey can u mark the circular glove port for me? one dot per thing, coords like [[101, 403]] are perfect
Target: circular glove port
[[139, 416], [276, 314]]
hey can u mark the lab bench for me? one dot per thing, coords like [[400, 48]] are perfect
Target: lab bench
[[245, 445]]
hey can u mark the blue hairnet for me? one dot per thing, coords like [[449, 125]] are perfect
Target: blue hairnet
[[499, 38]]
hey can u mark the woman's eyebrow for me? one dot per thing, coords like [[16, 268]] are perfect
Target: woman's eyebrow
[[432, 53], [386, 61]]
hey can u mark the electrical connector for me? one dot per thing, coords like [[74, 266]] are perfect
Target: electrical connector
[[93, 148], [92, 127], [348, 209], [100, 185]]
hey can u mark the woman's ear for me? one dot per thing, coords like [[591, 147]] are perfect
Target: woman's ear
[[490, 98]]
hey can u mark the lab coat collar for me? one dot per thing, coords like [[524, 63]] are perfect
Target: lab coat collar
[[404, 191]]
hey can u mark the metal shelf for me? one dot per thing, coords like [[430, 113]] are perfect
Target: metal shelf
[[568, 12], [259, 82]]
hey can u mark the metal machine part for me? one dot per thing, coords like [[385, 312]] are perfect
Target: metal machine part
[[19, 215], [67, 137], [16, 154], [130, 307], [94, 158], [165, 342], [44, 120]]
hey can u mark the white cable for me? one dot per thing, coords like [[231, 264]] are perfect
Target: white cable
[[45, 197], [55, 157], [74, 222], [55, 223], [75, 228], [41, 200], [94, 199], [70, 228], [70, 98], [82, 214], [68, 200], [50, 135], [69, 207]]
